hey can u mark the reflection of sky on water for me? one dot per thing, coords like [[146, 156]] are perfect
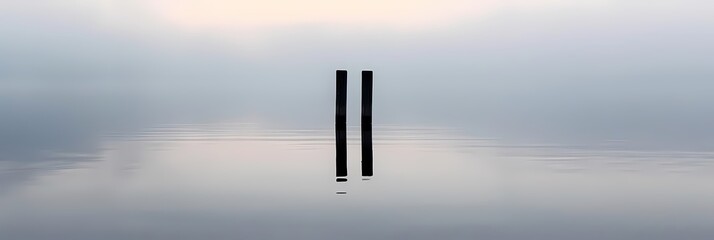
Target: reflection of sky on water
[[237, 180], [137, 159]]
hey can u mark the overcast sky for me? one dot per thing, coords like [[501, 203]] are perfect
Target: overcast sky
[[105, 38], [617, 68]]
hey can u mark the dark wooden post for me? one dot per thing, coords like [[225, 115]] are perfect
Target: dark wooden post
[[367, 158], [341, 97], [367, 83], [341, 125]]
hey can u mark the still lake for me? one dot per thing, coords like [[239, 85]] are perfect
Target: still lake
[[223, 161]]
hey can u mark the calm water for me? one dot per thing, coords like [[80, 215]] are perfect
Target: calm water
[[137, 163]]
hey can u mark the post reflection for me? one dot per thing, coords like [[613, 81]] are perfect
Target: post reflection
[[367, 167], [341, 151]]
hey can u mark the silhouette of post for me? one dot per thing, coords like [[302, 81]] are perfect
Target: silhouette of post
[[367, 165], [341, 97], [341, 150], [367, 83], [341, 125]]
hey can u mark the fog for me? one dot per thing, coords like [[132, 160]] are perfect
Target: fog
[[508, 119], [524, 70]]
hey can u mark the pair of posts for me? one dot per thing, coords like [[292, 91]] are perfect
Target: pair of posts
[[341, 124]]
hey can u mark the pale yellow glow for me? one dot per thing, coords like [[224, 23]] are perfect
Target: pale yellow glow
[[236, 16], [278, 13]]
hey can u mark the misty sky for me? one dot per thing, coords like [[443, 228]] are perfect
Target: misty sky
[[469, 39], [616, 69]]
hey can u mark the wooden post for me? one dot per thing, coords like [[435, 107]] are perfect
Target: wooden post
[[367, 158], [367, 83], [341, 97], [341, 125]]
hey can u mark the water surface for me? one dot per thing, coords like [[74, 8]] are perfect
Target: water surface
[[239, 180]]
